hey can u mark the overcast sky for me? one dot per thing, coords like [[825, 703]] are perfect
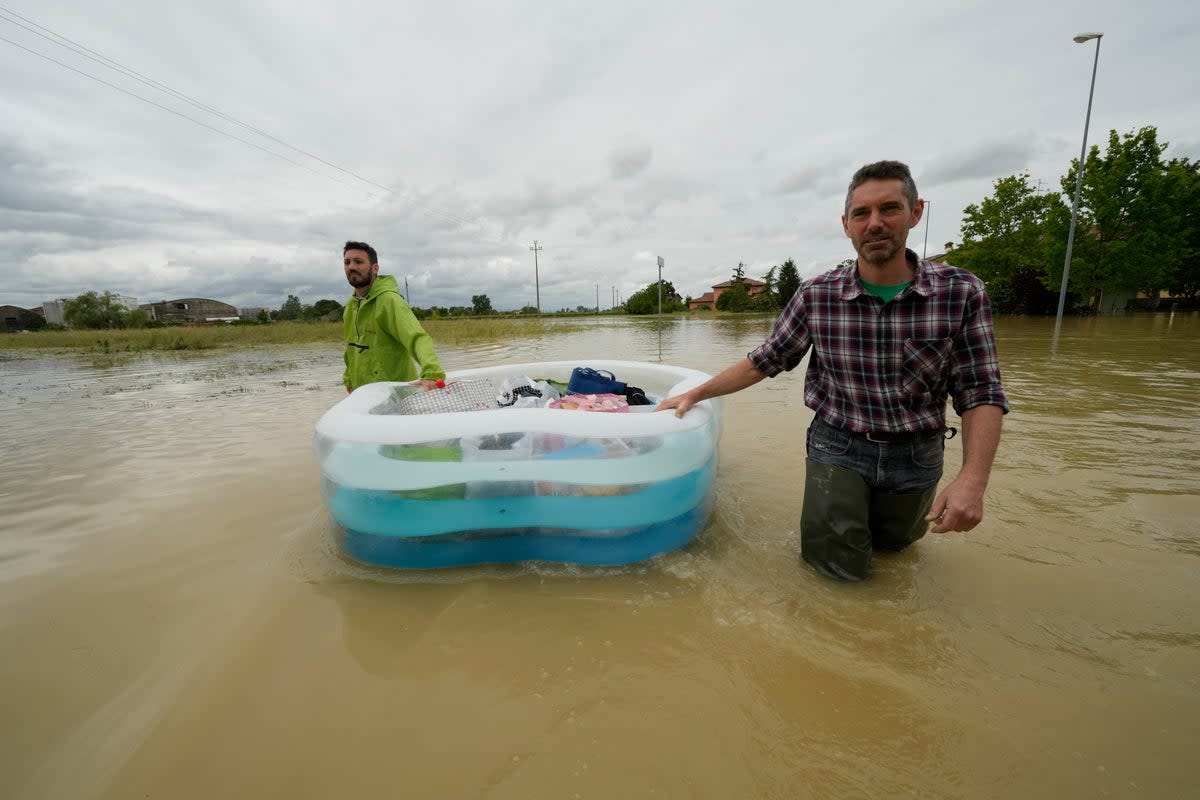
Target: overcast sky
[[452, 135]]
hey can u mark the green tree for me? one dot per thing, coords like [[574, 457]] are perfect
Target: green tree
[[319, 309], [788, 282], [1184, 175], [645, 301], [735, 298], [1009, 242], [769, 281], [1130, 233], [482, 304], [290, 309], [138, 318], [768, 298], [95, 311]]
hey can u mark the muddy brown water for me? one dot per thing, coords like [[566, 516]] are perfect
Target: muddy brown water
[[176, 621]]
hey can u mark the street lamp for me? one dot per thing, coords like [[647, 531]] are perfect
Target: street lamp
[[925, 247], [660, 266], [1062, 293]]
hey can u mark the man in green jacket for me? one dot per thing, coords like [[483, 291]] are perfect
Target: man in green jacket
[[383, 338]]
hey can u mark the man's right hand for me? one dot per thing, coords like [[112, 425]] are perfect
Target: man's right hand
[[680, 402]]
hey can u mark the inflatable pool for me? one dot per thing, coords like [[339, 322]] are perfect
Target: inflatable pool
[[428, 490]]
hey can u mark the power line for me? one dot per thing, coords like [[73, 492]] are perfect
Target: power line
[[129, 72], [116, 66], [170, 110]]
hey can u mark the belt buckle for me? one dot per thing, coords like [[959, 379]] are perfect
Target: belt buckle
[[871, 438]]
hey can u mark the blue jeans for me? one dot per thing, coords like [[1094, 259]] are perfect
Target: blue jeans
[[860, 496], [907, 468]]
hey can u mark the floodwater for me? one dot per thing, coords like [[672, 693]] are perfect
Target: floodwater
[[176, 622]]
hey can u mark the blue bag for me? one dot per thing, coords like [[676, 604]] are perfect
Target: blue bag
[[585, 380]]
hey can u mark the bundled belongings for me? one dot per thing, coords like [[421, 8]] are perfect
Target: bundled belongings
[[521, 391], [520, 482], [585, 380]]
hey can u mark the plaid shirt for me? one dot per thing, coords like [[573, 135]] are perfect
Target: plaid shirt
[[878, 367]]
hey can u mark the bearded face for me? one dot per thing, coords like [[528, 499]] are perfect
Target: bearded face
[[360, 272], [878, 220]]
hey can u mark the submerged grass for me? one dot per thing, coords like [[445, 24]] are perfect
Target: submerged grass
[[211, 337]]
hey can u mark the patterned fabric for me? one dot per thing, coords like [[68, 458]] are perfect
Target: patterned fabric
[[592, 402], [456, 396], [889, 367]]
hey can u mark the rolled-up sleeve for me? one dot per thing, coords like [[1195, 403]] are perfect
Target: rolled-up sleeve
[[788, 343], [976, 376]]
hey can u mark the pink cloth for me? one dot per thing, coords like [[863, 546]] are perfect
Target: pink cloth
[[614, 403]]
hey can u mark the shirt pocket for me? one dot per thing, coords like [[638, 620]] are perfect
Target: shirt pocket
[[926, 368]]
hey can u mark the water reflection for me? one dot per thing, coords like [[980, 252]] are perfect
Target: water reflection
[[164, 511]]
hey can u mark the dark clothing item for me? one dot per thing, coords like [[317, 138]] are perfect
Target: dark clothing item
[[860, 496], [879, 366], [892, 468]]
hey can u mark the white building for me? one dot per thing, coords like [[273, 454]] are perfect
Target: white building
[[54, 308], [125, 301]]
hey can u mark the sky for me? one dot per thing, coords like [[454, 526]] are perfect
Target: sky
[[238, 145]]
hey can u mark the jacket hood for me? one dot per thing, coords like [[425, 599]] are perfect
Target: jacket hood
[[383, 283]]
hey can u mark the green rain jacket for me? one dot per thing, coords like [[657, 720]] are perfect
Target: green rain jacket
[[383, 339]]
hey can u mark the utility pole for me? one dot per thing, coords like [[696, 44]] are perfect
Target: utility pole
[[407, 296], [536, 283]]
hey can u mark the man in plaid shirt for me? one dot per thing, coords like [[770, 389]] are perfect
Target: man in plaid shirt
[[889, 339]]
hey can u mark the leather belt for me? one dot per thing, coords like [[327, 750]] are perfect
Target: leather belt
[[903, 437]]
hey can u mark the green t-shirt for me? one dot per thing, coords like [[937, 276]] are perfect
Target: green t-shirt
[[884, 293]]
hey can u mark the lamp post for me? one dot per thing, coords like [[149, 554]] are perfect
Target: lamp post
[[925, 247], [660, 266], [1062, 293]]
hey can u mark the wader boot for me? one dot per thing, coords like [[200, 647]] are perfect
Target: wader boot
[[898, 520], [834, 537]]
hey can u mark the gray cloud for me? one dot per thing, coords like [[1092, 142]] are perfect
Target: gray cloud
[[629, 160], [986, 160], [816, 179]]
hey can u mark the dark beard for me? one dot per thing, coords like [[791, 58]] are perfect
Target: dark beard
[[360, 281], [879, 257]]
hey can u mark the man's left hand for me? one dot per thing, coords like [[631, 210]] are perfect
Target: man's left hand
[[427, 385], [959, 507]]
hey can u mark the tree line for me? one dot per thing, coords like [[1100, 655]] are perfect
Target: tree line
[[1137, 230], [779, 284]]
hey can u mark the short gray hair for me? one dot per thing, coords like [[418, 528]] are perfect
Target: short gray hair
[[883, 171]]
